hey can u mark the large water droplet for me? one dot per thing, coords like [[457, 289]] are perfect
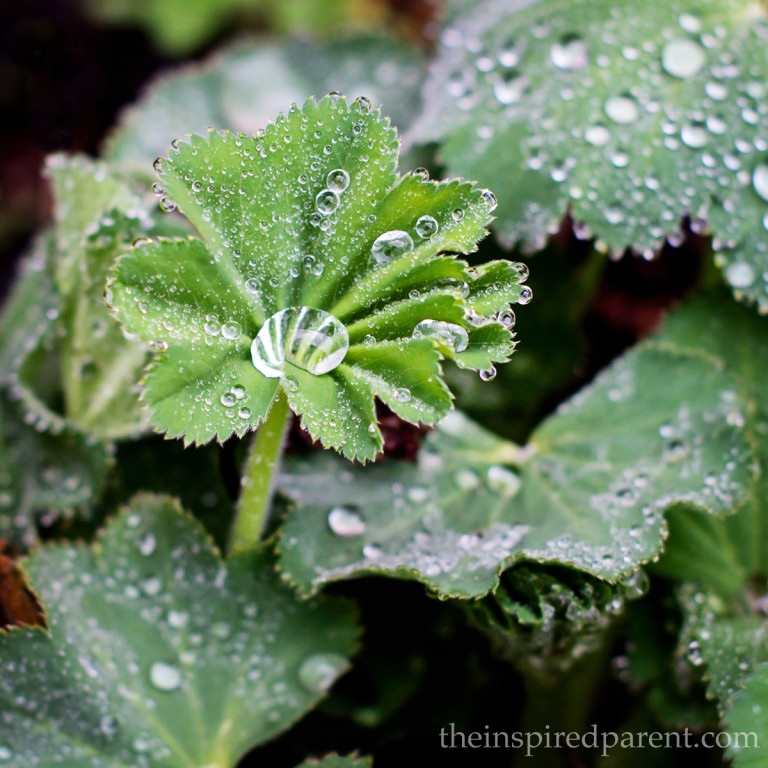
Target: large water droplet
[[338, 180], [570, 53], [345, 521], [682, 57], [309, 338], [426, 226], [694, 135], [622, 109], [326, 202], [391, 245], [448, 334], [319, 671], [760, 180], [165, 677]]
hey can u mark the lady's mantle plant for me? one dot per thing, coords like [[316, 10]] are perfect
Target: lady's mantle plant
[[323, 280]]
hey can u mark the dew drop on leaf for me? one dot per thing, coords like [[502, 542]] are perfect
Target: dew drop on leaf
[[391, 245], [311, 339], [504, 481], [451, 335], [760, 180], [426, 226], [526, 294], [740, 274], [345, 521], [337, 180], [108, 725], [403, 395], [507, 318], [682, 57], [597, 135], [165, 677], [623, 110], [326, 202], [570, 53], [319, 671], [486, 374], [231, 330]]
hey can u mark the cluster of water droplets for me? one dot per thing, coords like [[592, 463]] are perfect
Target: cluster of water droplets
[[118, 688], [597, 108]]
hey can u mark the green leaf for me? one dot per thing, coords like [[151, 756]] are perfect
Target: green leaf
[[157, 648], [29, 310], [628, 116], [84, 192], [349, 285], [244, 86], [547, 618], [731, 643], [336, 761], [723, 553], [178, 27], [46, 471], [590, 491]]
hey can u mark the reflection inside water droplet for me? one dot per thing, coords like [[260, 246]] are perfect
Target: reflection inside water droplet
[[309, 338]]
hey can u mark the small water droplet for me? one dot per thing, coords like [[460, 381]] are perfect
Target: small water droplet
[[466, 479], [487, 374], [740, 274], [570, 53], [309, 338], [337, 181], [623, 110], [231, 330], [526, 294], [506, 318], [402, 395], [108, 725], [391, 245], [597, 135], [694, 135], [510, 87], [318, 673], [165, 677], [426, 226], [682, 57], [345, 521], [489, 199], [228, 399], [760, 180], [147, 545], [504, 481]]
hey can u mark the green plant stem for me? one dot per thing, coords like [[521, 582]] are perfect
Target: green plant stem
[[252, 513]]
